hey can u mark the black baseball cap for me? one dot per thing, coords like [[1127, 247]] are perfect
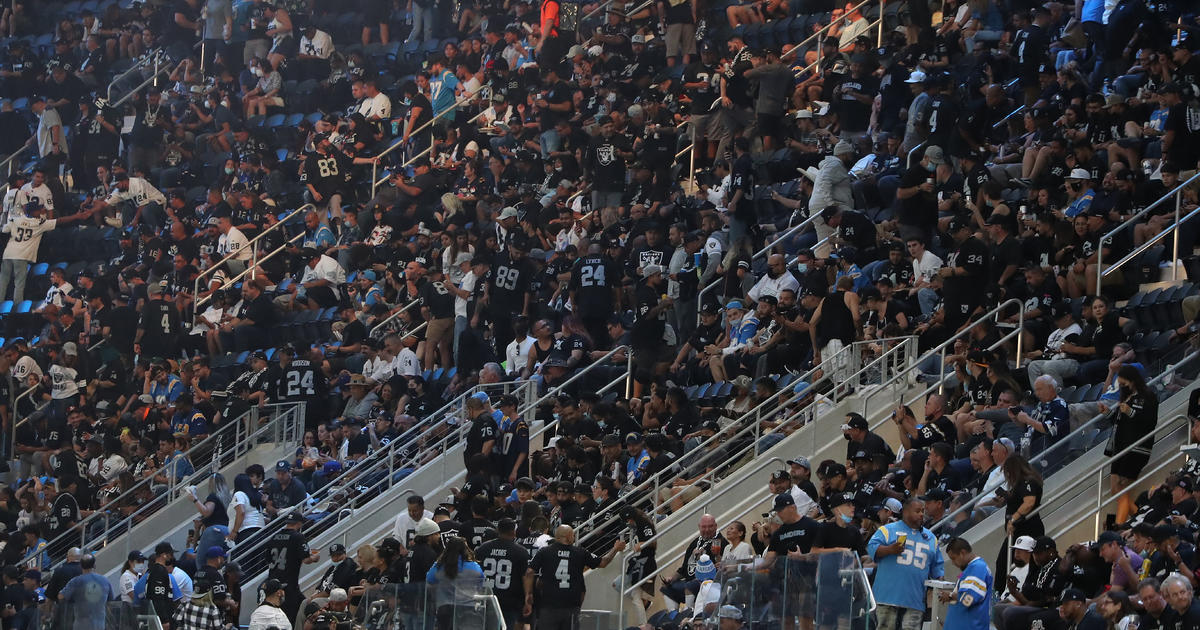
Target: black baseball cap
[[841, 498], [1071, 595], [273, 585], [1044, 543], [337, 549], [783, 501]]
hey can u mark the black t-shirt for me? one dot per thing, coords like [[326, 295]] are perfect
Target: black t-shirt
[[942, 120], [1003, 254], [921, 208], [853, 114], [260, 310], [510, 283], [160, 320], [605, 162], [301, 380], [438, 299], [857, 230], [831, 536], [592, 280], [286, 551], [209, 578], [1184, 120], [482, 430], [737, 86], [63, 514], [477, 531], [971, 255], [556, 94], [939, 430], [647, 330], [560, 568], [798, 536], [504, 563]]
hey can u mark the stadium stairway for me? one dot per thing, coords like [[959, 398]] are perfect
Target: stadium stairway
[[365, 500], [260, 435]]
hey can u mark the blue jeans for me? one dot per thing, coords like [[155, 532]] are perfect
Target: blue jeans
[[550, 141], [422, 23], [212, 536]]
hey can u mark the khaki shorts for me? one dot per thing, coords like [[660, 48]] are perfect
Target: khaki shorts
[[437, 329], [681, 39]]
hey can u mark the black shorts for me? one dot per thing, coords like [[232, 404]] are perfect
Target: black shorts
[[769, 125], [1130, 465], [323, 296], [377, 13]]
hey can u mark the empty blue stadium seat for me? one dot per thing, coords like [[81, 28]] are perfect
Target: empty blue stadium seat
[[25, 306]]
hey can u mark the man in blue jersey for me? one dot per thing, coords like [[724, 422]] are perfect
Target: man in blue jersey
[[906, 554], [971, 599]]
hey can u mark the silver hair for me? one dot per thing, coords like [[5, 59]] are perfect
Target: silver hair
[[1176, 578], [1047, 378], [220, 488], [494, 368]]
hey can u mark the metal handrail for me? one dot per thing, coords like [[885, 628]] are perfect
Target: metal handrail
[[393, 316], [8, 160], [250, 270], [151, 79], [1014, 112], [155, 57], [752, 421], [877, 22], [1173, 424], [608, 3], [375, 181], [825, 29], [1154, 241], [795, 229], [558, 389], [1063, 443], [1107, 238], [213, 440], [252, 244]]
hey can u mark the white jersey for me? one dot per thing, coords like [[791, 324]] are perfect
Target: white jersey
[[140, 193], [24, 367], [406, 363], [55, 294], [26, 237], [321, 45], [405, 528], [29, 194], [234, 241]]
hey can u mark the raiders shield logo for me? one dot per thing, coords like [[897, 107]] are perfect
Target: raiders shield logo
[[604, 154]]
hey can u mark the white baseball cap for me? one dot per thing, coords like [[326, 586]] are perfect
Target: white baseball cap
[[1024, 543]]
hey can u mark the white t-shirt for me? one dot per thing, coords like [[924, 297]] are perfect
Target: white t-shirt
[[742, 553], [804, 503], [405, 528], [184, 581], [128, 581], [234, 241], [212, 314], [140, 193], [40, 194], [1056, 339], [406, 363], [327, 269], [109, 469], [65, 382], [252, 517], [517, 353], [26, 237], [321, 45], [378, 106], [469, 280], [377, 369], [926, 268]]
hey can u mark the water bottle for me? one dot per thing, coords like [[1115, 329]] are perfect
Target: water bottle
[[1107, 89], [1025, 445]]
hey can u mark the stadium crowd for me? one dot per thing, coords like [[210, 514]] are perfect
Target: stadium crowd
[[216, 206]]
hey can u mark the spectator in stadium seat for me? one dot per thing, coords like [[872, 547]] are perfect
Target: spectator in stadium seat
[[1048, 425]]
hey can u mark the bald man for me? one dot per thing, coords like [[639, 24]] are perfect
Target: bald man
[[775, 280], [559, 567]]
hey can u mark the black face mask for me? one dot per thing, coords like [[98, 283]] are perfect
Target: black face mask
[[1125, 391]]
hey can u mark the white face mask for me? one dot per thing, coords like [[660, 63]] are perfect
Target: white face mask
[[139, 568]]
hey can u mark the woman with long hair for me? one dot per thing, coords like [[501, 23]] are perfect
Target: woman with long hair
[[1117, 610], [247, 509], [456, 579], [1024, 495], [1134, 418], [214, 518]]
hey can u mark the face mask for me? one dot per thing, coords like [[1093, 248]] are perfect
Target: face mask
[[557, 417], [258, 72], [845, 519], [931, 167], [1125, 391], [139, 568], [802, 267], [228, 171], [351, 64]]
